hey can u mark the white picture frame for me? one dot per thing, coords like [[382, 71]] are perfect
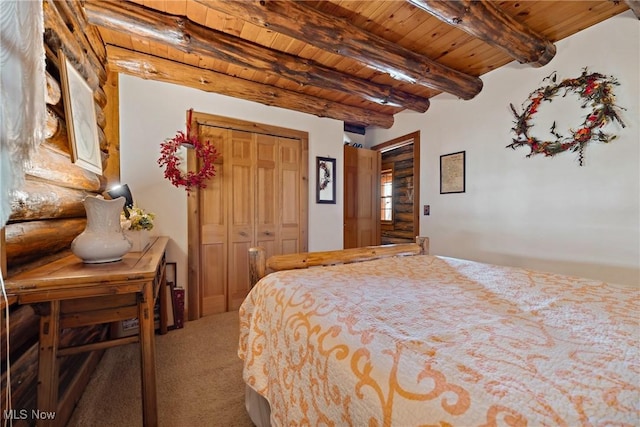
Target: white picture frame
[[80, 116]]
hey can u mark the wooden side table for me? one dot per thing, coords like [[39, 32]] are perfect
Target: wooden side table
[[68, 293]]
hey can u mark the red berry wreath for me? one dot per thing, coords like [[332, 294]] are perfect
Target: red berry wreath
[[205, 152]]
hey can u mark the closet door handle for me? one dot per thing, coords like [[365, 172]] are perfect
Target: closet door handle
[[243, 234], [267, 233]]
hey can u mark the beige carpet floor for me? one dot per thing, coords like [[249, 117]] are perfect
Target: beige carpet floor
[[199, 379]]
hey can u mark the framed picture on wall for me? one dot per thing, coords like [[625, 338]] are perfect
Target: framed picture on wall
[[80, 116], [325, 180], [452, 173]]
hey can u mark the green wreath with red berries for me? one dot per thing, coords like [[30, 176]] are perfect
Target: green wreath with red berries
[[596, 93]]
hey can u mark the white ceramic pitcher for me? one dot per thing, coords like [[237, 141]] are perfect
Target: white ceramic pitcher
[[103, 239]]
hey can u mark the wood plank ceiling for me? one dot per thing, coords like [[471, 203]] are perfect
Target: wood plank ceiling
[[356, 61]]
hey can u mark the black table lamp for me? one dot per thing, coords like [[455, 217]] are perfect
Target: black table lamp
[[122, 191]]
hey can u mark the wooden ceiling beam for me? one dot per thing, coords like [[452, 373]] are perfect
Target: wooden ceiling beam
[[487, 22], [298, 20], [190, 37], [153, 68]]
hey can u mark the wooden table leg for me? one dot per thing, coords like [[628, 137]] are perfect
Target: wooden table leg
[[47, 401], [148, 357]]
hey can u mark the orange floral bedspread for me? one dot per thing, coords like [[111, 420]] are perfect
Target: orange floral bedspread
[[435, 341]]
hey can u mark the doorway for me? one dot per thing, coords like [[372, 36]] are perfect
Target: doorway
[[400, 159]]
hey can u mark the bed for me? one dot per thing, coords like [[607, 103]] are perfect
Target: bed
[[392, 336]]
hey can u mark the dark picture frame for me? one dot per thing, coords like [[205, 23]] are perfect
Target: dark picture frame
[[452, 173], [171, 276], [171, 272], [80, 117], [325, 180]]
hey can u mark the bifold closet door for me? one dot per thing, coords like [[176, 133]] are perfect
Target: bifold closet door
[[267, 197], [257, 198], [292, 197], [241, 167], [212, 208]]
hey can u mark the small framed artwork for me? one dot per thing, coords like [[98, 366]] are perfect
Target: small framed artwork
[[325, 180], [80, 115], [169, 297], [171, 272], [452, 173], [129, 327]]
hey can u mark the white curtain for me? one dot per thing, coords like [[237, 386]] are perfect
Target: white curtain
[[22, 92]]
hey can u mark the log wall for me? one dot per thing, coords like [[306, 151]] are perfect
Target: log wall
[[48, 213], [402, 229]]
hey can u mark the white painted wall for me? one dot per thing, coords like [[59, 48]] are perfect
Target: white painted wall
[[544, 213], [351, 138], [151, 112]]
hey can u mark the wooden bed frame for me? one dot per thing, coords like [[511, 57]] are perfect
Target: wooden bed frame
[[260, 266]]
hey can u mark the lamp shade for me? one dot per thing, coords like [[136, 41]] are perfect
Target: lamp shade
[[122, 191]]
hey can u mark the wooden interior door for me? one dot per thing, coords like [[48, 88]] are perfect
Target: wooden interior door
[[213, 246], [361, 197], [293, 202], [259, 197], [240, 159], [350, 232], [267, 195]]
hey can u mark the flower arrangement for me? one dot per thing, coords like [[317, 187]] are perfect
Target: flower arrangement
[[595, 91], [137, 219]]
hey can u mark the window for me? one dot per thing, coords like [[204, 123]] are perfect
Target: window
[[386, 195]]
